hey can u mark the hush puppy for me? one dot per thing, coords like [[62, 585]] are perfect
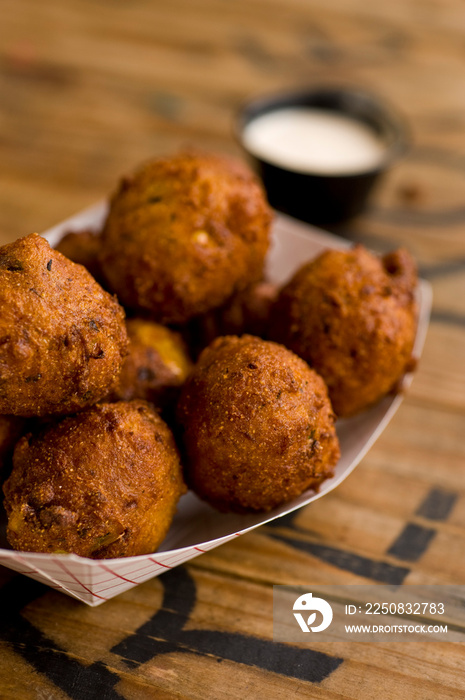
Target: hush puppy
[[246, 312], [156, 366], [103, 483], [352, 316], [11, 429], [183, 234], [256, 424], [82, 247], [62, 337]]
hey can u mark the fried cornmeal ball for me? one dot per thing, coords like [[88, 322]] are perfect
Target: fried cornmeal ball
[[82, 247], [11, 429], [247, 312], [62, 337], [257, 425], [183, 234], [156, 366], [103, 483], [352, 316]]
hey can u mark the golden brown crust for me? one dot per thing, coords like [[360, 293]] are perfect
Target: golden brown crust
[[156, 366], [247, 311], [11, 429], [258, 428], [62, 337], [82, 247], [104, 483], [183, 234], [352, 316]]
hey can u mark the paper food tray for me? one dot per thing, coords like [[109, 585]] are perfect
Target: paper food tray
[[197, 527]]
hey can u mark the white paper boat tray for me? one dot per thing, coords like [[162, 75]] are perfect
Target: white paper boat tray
[[197, 527]]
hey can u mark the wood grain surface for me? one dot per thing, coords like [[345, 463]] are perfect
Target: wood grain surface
[[88, 89]]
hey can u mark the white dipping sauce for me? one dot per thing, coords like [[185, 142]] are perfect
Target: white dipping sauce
[[314, 140]]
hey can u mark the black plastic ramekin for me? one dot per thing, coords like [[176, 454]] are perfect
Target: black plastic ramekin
[[312, 196]]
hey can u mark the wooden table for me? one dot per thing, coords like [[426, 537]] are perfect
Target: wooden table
[[88, 89]]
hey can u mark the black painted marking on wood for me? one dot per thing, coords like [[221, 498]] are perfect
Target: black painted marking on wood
[[412, 542], [437, 505], [78, 681], [162, 634], [165, 633], [356, 564]]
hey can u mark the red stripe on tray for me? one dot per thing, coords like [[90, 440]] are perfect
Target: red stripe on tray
[[70, 573], [110, 571], [37, 574], [117, 585], [159, 563], [26, 572]]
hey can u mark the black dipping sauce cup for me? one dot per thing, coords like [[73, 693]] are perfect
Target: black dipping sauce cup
[[315, 197]]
